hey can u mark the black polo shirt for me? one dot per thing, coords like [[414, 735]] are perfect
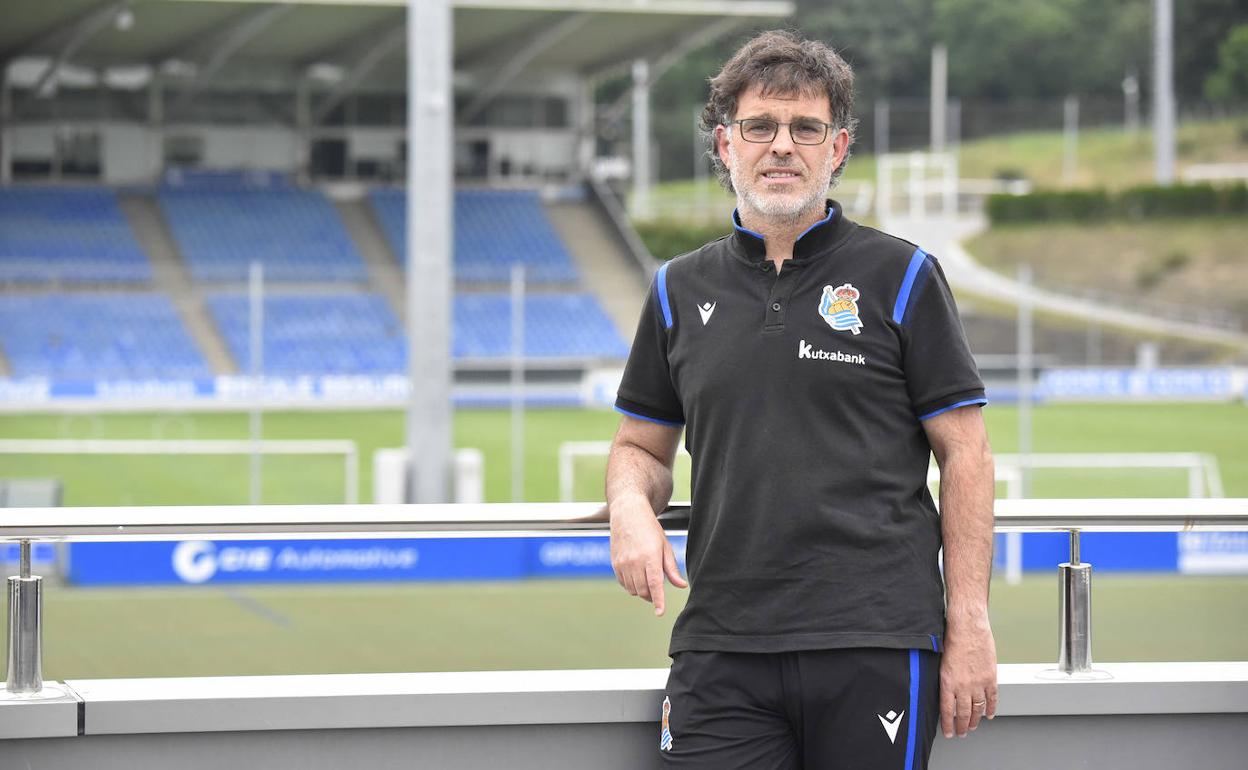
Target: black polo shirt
[[802, 396]]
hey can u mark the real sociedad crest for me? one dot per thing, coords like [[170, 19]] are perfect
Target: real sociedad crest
[[839, 307]]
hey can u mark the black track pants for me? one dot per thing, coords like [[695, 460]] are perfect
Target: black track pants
[[845, 709]]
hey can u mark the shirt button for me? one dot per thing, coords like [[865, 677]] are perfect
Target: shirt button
[[775, 306]]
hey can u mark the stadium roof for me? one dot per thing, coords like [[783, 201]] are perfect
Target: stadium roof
[[359, 40]]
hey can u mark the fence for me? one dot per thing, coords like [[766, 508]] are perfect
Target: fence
[[1161, 715]]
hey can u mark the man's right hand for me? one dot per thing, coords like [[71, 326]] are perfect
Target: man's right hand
[[640, 552]]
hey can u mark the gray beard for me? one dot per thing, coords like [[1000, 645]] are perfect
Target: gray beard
[[778, 210]]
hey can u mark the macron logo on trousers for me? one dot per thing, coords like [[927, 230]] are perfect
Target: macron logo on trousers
[[805, 350]]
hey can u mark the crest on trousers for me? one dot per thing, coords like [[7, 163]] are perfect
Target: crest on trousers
[[665, 737], [839, 307]]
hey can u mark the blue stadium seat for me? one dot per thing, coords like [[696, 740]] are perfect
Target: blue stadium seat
[[493, 230], [296, 234], [67, 235], [315, 333], [358, 334], [555, 326], [97, 336]]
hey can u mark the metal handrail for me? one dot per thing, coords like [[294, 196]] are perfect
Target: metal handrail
[[69, 524], [25, 591]]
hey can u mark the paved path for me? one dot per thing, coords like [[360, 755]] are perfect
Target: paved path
[[943, 238]]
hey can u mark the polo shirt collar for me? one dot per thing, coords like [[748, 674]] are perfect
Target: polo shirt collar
[[817, 238]]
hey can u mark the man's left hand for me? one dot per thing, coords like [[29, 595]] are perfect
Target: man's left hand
[[968, 676]]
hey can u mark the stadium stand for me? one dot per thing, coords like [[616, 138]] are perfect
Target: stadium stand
[[67, 235], [315, 333], [357, 333], [220, 229], [493, 230], [83, 336], [556, 326], [220, 222]]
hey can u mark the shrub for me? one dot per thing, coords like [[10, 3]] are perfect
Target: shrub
[[666, 239], [1144, 202]]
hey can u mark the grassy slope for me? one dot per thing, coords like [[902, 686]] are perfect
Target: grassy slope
[[1107, 157], [1207, 267]]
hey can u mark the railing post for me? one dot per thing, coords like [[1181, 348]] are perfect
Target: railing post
[[25, 649], [1074, 612]]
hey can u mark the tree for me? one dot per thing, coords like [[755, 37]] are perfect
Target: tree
[[1199, 25], [1229, 82]]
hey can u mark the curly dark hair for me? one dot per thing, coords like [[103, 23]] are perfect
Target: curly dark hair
[[781, 63]]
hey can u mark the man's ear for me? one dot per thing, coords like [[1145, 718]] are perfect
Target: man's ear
[[840, 147], [722, 135]]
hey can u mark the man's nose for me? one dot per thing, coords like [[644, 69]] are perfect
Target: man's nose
[[783, 143]]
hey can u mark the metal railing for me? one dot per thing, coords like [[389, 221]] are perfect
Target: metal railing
[[28, 525]]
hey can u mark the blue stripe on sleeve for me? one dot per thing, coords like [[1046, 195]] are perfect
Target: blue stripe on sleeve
[[935, 643], [913, 725], [650, 419], [907, 283], [661, 287], [944, 409], [916, 290]]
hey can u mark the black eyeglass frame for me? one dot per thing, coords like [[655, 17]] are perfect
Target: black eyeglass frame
[[775, 129]]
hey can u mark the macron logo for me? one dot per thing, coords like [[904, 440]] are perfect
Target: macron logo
[[705, 310], [805, 350], [891, 721]]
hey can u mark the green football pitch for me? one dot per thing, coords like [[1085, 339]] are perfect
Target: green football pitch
[[201, 631], [1218, 429]]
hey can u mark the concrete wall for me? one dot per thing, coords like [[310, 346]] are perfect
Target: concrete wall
[[1148, 716]]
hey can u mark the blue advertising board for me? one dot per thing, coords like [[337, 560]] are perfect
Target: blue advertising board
[[308, 561], [193, 562], [40, 553], [1105, 551], [227, 390], [1118, 384]]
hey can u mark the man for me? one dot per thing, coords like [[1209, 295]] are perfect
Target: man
[[814, 365]]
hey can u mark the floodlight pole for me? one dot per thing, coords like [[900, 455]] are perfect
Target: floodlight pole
[[1025, 363], [880, 128], [1163, 91], [6, 125], [641, 138], [517, 382], [939, 120], [255, 326], [1070, 139], [429, 218]]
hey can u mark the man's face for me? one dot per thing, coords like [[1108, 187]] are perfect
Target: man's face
[[781, 178]]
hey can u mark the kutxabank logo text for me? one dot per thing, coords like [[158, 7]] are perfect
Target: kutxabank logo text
[[806, 350]]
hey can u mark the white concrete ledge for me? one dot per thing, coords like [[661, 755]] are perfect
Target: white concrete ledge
[[338, 701], [1136, 688], [51, 716], [353, 701]]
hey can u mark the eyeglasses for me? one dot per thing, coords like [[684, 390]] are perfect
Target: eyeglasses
[[763, 130]]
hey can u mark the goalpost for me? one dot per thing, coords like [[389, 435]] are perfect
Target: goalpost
[[1203, 477], [243, 447]]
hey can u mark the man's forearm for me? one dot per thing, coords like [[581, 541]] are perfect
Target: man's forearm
[[632, 470], [966, 497]]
